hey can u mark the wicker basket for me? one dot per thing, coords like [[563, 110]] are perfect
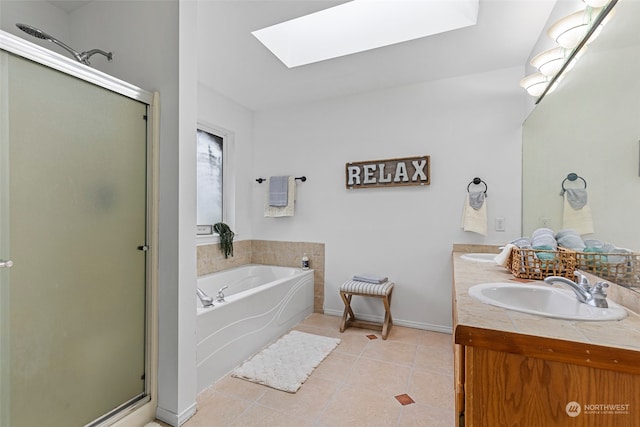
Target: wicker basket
[[620, 268], [538, 264]]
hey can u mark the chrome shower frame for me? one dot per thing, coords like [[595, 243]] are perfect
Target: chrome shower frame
[[142, 409]]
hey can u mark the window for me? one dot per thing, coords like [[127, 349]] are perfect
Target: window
[[210, 146]]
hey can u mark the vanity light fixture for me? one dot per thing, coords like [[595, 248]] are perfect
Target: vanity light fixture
[[550, 61], [596, 3], [572, 33], [570, 30], [535, 84]]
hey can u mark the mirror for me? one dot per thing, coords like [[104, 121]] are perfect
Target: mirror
[[590, 126]]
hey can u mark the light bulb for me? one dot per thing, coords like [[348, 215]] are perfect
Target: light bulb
[[550, 61], [535, 84]]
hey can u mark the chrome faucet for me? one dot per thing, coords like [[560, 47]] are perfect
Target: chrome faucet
[[595, 295], [205, 299], [220, 296]]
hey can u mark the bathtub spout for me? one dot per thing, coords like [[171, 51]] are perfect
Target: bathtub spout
[[205, 299]]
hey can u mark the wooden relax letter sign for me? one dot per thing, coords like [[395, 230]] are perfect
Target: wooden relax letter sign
[[388, 173]]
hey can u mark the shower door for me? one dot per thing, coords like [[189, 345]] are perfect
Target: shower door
[[73, 218]]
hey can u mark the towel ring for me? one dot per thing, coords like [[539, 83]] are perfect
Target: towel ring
[[573, 177], [300, 178], [478, 181]]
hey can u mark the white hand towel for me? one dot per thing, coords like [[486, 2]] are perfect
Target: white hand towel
[[277, 211], [578, 219], [503, 257], [474, 220]]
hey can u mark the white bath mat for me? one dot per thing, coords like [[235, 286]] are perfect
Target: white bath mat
[[288, 362]]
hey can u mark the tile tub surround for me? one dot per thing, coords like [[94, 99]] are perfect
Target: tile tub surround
[[470, 313], [268, 252]]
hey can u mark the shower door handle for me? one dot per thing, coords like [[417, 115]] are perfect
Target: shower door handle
[[6, 263]]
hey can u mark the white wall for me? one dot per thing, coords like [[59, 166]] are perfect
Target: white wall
[[470, 126], [227, 115]]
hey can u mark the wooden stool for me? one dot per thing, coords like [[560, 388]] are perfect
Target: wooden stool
[[350, 288]]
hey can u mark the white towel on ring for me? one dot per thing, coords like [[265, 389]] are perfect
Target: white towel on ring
[[474, 220]]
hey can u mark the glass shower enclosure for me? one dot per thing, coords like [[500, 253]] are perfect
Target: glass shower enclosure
[[73, 244]]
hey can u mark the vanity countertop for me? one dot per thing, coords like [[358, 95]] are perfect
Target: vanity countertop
[[583, 342]]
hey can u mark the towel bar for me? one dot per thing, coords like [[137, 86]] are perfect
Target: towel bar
[[301, 178]]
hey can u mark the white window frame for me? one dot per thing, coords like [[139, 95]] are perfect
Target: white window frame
[[228, 180]]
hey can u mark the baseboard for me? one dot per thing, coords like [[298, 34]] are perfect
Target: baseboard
[[174, 419], [399, 322]]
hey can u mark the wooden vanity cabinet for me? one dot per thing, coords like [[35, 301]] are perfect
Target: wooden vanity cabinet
[[509, 379]]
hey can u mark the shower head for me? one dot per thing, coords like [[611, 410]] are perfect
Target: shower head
[[80, 57], [32, 31]]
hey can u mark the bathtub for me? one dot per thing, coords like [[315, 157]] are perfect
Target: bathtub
[[262, 302]]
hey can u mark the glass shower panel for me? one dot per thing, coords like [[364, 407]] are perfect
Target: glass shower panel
[[73, 217]]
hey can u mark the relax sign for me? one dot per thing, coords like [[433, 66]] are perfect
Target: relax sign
[[388, 173]]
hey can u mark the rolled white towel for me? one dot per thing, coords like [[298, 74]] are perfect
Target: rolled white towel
[[503, 257]]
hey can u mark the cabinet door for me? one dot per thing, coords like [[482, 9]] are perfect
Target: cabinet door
[[459, 371], [510, 389]]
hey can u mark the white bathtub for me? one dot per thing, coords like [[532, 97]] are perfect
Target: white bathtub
[[262, 303]]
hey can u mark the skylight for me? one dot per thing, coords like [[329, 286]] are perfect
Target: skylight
[[361, 25]]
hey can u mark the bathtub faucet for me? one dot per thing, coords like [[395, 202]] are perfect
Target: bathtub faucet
[[220, 296], [205, 299]]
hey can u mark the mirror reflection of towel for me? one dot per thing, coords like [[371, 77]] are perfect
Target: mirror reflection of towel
[[577, 197], [578, 219], [474, 220]]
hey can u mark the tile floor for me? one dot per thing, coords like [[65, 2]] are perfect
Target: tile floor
[[363, 382]]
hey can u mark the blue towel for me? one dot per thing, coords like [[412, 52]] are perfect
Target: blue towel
[[544, 237], [569, 238], [577, 197], [278, 191], [476, 199]]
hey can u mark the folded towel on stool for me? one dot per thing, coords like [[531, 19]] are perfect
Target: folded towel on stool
[[370, 278]]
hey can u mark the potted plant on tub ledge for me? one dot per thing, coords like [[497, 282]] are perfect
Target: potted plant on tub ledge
[[226, 238]]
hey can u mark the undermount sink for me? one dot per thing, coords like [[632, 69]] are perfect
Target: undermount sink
[[545, 301], [479, 257]]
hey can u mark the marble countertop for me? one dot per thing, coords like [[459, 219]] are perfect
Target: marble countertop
[[469, 312]]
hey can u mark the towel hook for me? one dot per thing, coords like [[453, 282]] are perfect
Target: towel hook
[[299, 178], [478, 181], [572, 177]]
